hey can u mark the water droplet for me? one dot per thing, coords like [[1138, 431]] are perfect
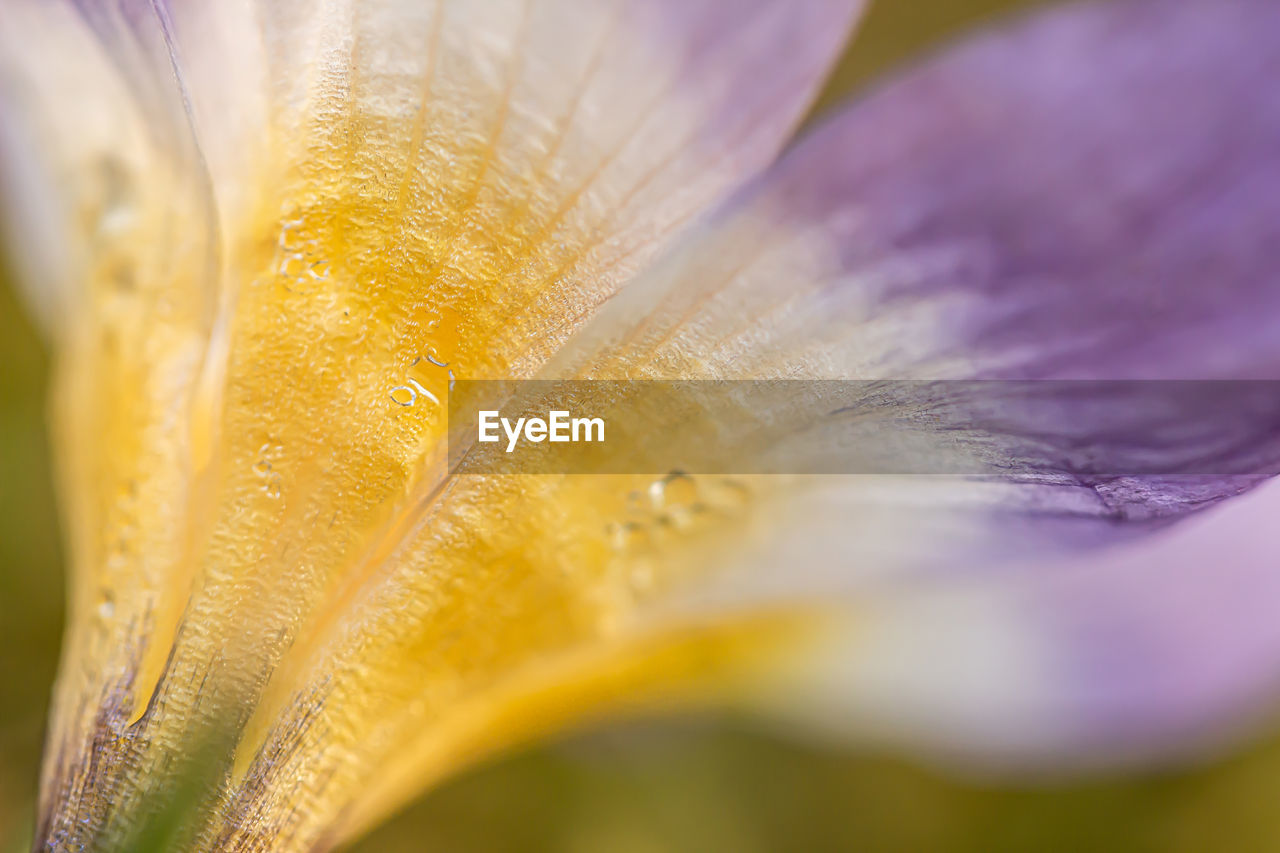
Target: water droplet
[[273, 486], [263, 466], [407, 395], [288, 262], [675, 489]]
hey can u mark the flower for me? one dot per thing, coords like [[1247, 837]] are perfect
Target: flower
[[247, 225]]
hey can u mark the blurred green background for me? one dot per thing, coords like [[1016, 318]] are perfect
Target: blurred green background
[[690, 787]]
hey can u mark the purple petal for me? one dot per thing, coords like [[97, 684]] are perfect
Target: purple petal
[[1094, 194], [1104, 179], [1171, 639], [1157, 650]]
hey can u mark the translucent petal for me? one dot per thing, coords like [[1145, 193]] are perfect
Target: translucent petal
[[310, 213]]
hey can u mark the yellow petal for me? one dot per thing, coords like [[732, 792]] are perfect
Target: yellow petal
[[302, 237]]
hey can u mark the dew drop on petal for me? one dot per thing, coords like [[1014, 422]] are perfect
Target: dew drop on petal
[[403, 395], [676, 489]]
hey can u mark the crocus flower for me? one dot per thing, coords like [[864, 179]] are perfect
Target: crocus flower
[[266, 238]]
